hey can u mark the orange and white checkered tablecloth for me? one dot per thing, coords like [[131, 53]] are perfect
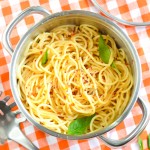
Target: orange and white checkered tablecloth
[[140, 37]]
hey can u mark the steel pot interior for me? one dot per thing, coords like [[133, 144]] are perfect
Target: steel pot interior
[[77, 17]]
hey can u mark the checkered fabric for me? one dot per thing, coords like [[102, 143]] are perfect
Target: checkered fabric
[[130, 10], [140, 36]]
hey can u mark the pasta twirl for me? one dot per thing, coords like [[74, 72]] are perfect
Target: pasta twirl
[[73, 82]]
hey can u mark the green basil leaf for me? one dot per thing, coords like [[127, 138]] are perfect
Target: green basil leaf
[[104, 51], [45, 57], [148, 141], [113, 65], [140, 142], [80, 125]]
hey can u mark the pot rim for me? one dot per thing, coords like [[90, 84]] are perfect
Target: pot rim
[[15, 92]]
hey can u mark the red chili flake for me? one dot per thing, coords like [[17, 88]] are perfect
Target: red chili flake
[[38, 87], [127, 64], [114, 93], [103, 78], [90, 68], [73, 33], [34, 94], [41, 52], [50, 92], [72, 104]]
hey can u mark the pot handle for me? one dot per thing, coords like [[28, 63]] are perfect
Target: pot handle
[[6, 34], [144, 121]]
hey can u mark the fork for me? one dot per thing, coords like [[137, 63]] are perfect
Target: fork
[[9, 125]]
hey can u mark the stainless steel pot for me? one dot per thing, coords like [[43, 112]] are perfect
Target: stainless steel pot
[[77, 17]]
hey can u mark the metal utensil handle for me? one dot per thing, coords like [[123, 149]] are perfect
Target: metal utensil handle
[[113, 17], [17, 136], [135, 132], [6, 35]]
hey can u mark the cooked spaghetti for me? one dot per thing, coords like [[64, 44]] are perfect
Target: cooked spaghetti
[[62, 77]]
